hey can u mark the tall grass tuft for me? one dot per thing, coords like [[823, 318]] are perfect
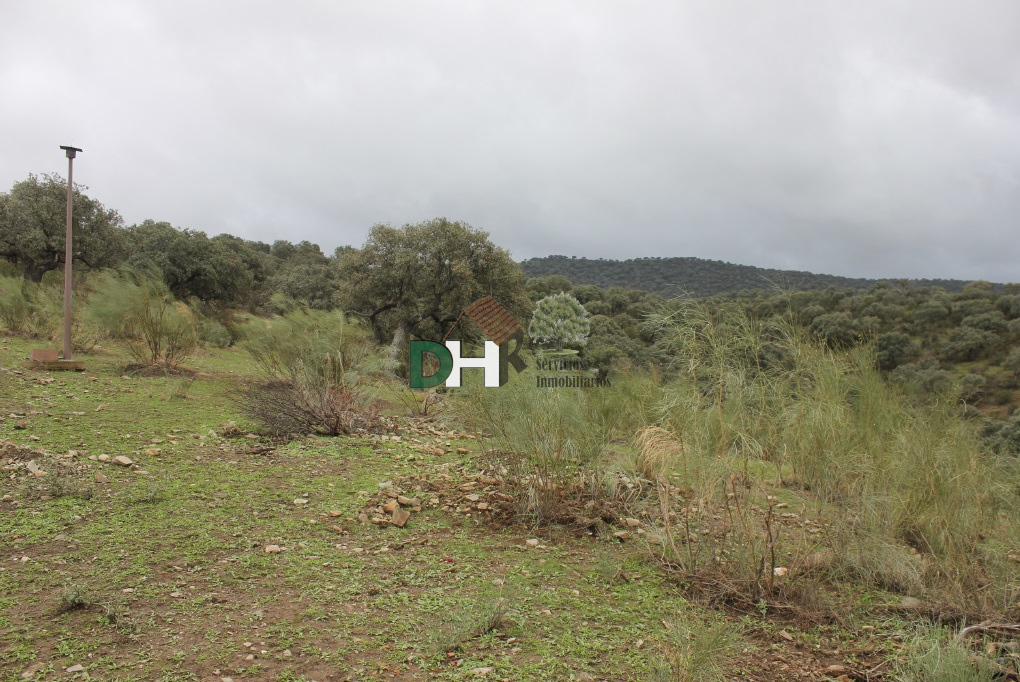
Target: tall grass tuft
[[30, 309], [906, 493], [695, 650], [552, 441], [138, 308], [933, 655], [37, 311], [313, 365]]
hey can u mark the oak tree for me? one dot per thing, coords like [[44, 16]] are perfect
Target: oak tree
[[33, 220]]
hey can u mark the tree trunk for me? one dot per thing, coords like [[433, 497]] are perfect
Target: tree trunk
[[34, 272], [399, 342], [559, 344]]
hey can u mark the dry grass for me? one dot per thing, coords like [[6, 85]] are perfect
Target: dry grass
[[904, 497]]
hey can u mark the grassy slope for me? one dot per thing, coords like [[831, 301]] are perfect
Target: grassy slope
[[170, 573]]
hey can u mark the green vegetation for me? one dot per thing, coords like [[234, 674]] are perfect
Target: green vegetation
[[28, 308], [418, 279], [906, 492], [33, 226], [313, 366], [138, 308]]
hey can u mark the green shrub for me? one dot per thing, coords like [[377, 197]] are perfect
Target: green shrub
[[933, 655], [893, 478], [551, 440], [695, 649], [212, 332], [138, 308], [30, 309], [312, 366]]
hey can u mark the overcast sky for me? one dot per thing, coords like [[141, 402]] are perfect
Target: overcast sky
[[875, 139]]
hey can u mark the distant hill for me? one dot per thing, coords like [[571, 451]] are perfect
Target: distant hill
[[697, 276]]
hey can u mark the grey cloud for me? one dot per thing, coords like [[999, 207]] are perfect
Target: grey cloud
[[867, 139]]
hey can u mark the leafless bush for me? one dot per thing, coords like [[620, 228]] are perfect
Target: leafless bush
[[283, 407], [312, 367]]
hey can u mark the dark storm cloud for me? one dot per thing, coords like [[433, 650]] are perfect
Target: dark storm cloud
[[875, 139]]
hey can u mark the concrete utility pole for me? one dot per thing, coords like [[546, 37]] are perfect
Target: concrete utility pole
[[68, 256]]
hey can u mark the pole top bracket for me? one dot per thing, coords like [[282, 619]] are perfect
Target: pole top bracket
[[70, 151]]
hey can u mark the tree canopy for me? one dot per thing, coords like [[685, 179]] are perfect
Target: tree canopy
[[33, 219], [417, 279], [223, 269]]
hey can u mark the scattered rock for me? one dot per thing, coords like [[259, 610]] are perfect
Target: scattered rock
[[632, 523], [786, 635], [103, 458], [533, 542], [21, 426], [335, 512], [400, 517], [152, 452], [363, 517], [273, 549], [390, 506], [911, 602], [31, 670], [300, 501], [481, 672], [122, 460], [472, 498], [407, 501], [621, 535], [463, 451], [76, 668], [101, 478]]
